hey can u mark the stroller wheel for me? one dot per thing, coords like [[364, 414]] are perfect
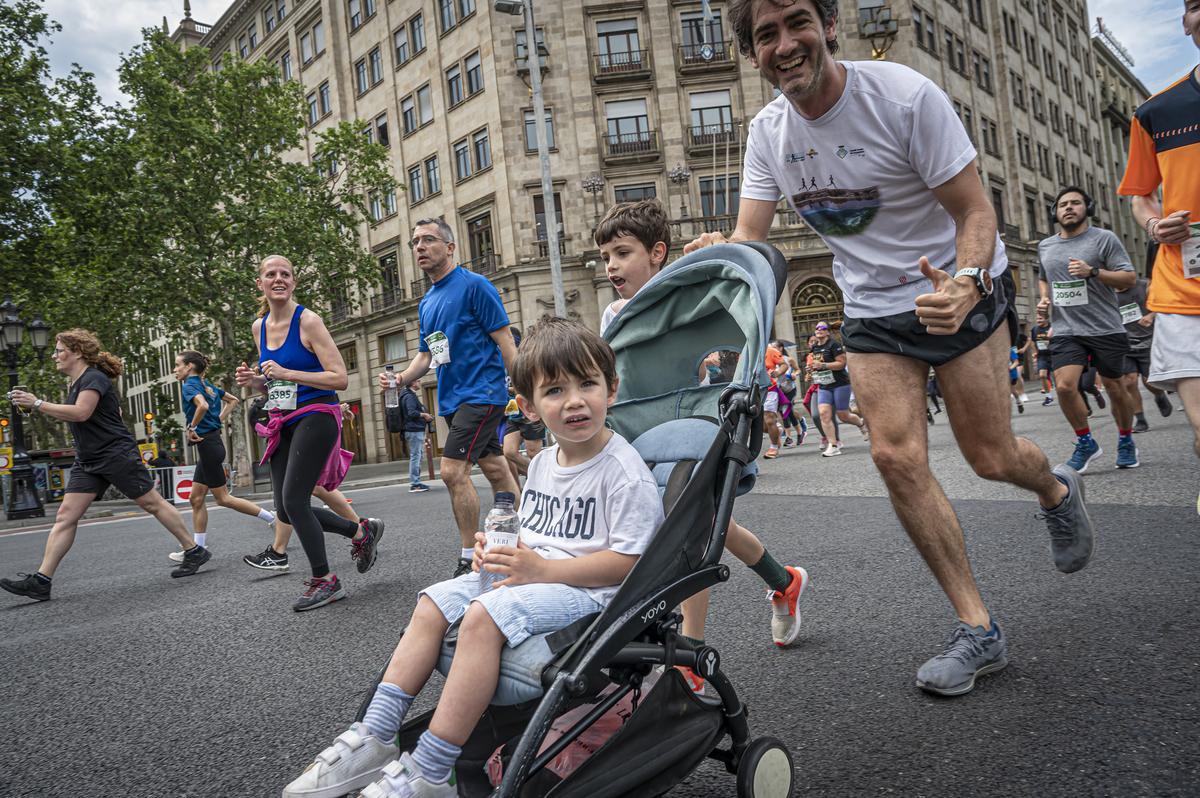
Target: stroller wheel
[[765, 770]]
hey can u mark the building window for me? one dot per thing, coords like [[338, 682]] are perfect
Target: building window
[[696, 33], [375, 60], [1032, 214], [408, 114], [991, 142], [474, 67], [482, 149], [519, 49], [356, 15], [285, 66], [433, 175], [416, 185], [1060, 169], [313, 114], [243, 47], [462, 160], [312, 42], [349, 353], [635, 193], [956, 52], [252, 35], [712, 115], [376, 203], [998, 206], [1039, 106], [424, 105], [323, 95], [389, 202], [360, 76], [719, 195], [1048, 62], [1043, 160], [975, 12], [416, 29], [454, 85], [269, 17], [1018, 89], [394, 347], [627, 123], [1024, 150], [381, 130], [1031, 51], [617, 44], [465, 9], [447, 14], [925, 30], [400, 43], [306, 48], [981, 66], [539, 216], [281, 9], [531, 132]]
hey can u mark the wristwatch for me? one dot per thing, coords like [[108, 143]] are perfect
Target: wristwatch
[[1095, 271], [38, 404], [982, 278]]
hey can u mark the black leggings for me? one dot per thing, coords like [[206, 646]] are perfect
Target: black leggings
[[296, 464]]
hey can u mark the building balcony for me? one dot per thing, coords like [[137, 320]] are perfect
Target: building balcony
[[339, 312], [706, 57], [704, 138], [631, 147], [1011, 232], [613, 67], [486, 264], [419, 287], [389, 298], [543, 247]]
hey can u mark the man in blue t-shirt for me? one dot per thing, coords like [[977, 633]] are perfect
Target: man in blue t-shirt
[[465, 336]]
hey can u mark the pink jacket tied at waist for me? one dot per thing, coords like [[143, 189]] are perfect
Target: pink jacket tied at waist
[[338, 463]]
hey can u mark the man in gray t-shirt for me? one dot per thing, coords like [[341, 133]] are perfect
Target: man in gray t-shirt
[[1139, 326], [1082, 268]]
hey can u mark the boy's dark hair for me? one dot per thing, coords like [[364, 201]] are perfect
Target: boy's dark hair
[[554, 347], [741, 14], [645, 220]]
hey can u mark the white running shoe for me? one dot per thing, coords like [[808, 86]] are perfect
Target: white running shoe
[[355, 759], [402, 779], [833, 451], [176, 556]]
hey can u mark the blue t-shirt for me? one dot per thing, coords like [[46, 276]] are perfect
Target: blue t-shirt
[[195, 386], [466, 308]]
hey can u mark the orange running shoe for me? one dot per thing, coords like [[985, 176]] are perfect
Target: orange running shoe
[[785, 608]]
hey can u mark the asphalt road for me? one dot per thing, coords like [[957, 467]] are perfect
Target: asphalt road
[[130, 683]]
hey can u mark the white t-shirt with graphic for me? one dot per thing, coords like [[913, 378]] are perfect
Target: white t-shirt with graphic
[[861, 175], [609, 503]]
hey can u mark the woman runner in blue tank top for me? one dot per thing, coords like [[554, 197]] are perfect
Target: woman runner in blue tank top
[[300, 367]]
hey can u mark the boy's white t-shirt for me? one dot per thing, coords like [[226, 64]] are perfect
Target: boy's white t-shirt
[[861, 175], [609, 503], [610, 312]]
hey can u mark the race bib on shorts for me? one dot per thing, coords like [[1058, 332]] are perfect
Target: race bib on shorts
[[1070, 293], [439, 348], [1130, 313], [1191, 254], [823, 377], [281, 395], [1042, 346]]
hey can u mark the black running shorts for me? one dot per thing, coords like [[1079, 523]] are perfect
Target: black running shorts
[[530, 430], [1138, 362], [210, 461], [1106, 352], [474, 432], [904, 334], [126, 473]]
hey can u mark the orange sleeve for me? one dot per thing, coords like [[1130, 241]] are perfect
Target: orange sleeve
[[1142, 176]]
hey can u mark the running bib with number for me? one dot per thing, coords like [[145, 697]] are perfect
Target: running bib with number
[[1043, 346], [1191, 254], [823, 377], [1130, 313], [439, 348], [281, 395], [1070, 293]]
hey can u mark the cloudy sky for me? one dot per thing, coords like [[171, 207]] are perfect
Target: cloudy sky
[[94, 34]]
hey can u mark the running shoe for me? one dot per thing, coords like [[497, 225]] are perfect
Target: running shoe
[[318, 593], [785, 608], [355, 759], [1164, 404], [969, 652], [771, 453], [833, 450], [363, 550], [28, 586], [1024, 397], [865, 432], [403, 779], [788, 442], [464, 567], [693, 681], [268, 560], [824, 444], [176, 556], [1049, 400], [192, 560], [418, 487], [803, 434], [1086, 450], [1141, 425], [1072, 538], [1020, 407], [1127, 453]]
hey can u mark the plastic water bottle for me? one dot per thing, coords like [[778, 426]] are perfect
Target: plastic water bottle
[[391, 396], [502, 528]]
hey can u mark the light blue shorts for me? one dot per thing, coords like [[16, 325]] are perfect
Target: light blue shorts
[[519, 611]]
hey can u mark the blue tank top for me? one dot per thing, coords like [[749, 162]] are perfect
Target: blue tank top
[[296, 356]]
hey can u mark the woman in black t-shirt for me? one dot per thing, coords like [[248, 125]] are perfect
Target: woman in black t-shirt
[[105, 454]]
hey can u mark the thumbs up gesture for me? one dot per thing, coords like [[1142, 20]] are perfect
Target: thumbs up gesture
[[944, 310]]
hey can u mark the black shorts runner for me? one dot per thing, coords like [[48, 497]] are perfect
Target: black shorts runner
[[1107, 352], [1137, 361], [473, 431], [1044, 363], [127, 473], [210, 465], [530, 430], [904, 334]]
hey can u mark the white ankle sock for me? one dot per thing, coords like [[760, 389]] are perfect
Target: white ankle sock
[[468, 554], [200, 536], [266, 515]]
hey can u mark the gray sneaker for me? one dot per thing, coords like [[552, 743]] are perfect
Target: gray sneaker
[[1072, 537], [969, 653]]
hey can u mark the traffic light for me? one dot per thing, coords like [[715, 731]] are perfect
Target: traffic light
[[4, 429], [148, 418]]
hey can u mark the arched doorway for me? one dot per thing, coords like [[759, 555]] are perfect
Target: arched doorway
[[816, 299]]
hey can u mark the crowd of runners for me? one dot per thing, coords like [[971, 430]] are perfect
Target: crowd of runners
[[930, 317]]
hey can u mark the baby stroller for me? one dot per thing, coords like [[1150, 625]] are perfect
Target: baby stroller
[[700, 437]]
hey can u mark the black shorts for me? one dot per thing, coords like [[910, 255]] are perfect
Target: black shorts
[[904, 334], [530, 430], [473, 431], [1106, 352], [210, 461], [127, 473], [1137, 361], [1044, 361]]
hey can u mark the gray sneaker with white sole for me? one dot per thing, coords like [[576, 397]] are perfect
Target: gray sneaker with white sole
[[969, 652], [1072, 537]]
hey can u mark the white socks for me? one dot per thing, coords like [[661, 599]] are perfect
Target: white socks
[[468, 554], [200, 536], [266, 515]]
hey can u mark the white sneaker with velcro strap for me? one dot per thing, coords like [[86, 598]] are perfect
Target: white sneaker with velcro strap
[[355, 759], [403, 779]]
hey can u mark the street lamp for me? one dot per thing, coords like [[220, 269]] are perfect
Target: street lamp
[[594, 184], [22, 499], [680, 175], [532, 57]]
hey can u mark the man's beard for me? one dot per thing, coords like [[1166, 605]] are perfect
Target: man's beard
[[814, 83], [1071, 227]]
